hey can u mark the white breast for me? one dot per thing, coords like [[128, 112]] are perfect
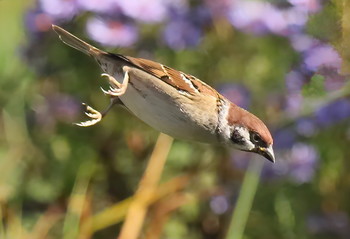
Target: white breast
[[160, 106]]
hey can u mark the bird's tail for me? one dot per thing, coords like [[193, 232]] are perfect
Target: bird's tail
[[77, 43]]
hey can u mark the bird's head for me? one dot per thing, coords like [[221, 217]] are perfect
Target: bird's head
[[247, 132]]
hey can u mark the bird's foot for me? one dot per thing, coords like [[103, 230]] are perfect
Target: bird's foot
[[116, 89], [95, 116]]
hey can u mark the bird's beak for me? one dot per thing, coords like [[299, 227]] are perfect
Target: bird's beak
[[267, 153]]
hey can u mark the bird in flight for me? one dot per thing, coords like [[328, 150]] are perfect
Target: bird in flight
[[173, 102]]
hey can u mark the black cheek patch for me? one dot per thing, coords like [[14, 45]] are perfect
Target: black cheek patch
[[236, 138]]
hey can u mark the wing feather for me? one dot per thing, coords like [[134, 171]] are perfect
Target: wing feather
[[176, 79]]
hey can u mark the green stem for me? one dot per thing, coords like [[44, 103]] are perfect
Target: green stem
[[245, 200]]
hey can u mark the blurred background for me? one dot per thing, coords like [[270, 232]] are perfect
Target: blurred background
[[286, 61]]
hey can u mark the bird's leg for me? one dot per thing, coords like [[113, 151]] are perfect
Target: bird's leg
[[113, 101], [116, 88], [95, 115]]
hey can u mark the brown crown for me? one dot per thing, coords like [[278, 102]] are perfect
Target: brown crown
[[239, 116]]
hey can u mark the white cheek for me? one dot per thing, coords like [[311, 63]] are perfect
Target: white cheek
[[248, 146]]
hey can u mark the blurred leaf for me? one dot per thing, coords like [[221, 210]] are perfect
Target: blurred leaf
[[245, 200], [285, 215], [2, 228], [325, 24], [76, 203], [191, 210], [14, 227], [41, 189], [343, 11], [180, 155], [176, 228], [315, 88], [116, 213], [45, 223]]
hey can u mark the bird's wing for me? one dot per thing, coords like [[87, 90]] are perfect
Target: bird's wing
[[177, 79]]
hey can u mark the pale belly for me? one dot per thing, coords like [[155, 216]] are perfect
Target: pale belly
[[160, 107]]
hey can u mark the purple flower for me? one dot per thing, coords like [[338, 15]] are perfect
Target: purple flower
[[334, 223], [112, 33], [185, 27], [180, 34], [303, 160], [144, 10], [294, 81], [237, 94], [64, 107], [199, 16], [333, 113], [105, 6], [261, 17], [249, 15], [60, 9], [57, 107], [37, 21], [218, 8], [294, 102], [302, 42], [295, 19], [306, 5], [297, 164], [333, 81], [322, 56], [284, 138], [275, 20], [306, 127], [219, 204], [241, 159]]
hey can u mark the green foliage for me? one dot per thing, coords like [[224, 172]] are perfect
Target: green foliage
[[315, 88], [325, 24]]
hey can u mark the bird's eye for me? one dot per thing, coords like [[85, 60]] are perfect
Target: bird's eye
[[256, 138]]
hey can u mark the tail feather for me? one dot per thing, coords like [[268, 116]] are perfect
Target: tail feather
[[76, 43]]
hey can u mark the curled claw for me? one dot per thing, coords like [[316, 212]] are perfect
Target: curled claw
[[104, 91], [113, 92], [112, 80], [87, 123], [95, 115], [116, 89]]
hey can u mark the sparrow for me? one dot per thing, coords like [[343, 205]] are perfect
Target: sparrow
[[173, 102]]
